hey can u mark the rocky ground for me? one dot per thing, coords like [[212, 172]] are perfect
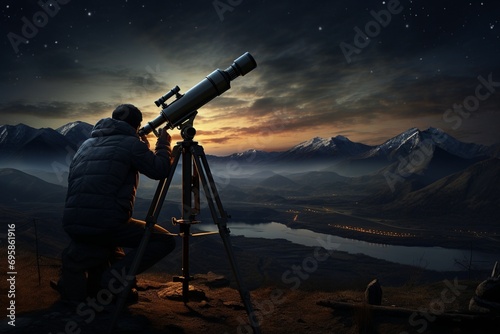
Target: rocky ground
[[216, 307], [294, 289]]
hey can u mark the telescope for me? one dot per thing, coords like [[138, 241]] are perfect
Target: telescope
[[185, 106]]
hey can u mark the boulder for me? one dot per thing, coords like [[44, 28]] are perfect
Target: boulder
[[373, 293], [487, 296]]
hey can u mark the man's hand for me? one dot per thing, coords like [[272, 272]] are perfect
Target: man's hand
[[144, 138], [164, 139]]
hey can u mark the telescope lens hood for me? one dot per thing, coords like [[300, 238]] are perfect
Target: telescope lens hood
[[245, 63]]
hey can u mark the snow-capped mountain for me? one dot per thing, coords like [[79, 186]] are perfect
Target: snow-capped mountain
[[448, 143], [329, 148], [22, 145], [401, 144], [413, 139], [14, 135], [252, 156], [76, 132]]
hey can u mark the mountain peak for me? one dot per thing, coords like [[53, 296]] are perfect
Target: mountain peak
[[73, 125], [434, 130], [341, 138], [76, 132], [314, 144], [405, 140], [15, 134], [406, 134], [334, 147]]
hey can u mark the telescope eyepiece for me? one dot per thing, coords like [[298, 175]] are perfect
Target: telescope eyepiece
[[241, 66]]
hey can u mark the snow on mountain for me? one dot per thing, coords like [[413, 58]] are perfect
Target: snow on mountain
[[401, 144], [25, 144], [413, 139], [338, 146], [22, 145], [76, 132], [13, 135], [315, 144], [250, 156]]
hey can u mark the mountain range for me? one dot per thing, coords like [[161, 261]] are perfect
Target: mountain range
[[476, 188], [22, 146], [415, 172], [355, 159], [429, 154]]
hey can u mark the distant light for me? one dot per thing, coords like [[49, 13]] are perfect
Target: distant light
[[320, 28]]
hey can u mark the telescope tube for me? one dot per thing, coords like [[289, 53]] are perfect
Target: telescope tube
[[215, 84]]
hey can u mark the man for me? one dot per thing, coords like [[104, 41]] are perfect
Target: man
[[102, 184]]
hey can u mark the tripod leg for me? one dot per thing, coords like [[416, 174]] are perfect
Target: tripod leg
[[151, 219], [212, 195], [187, 215]]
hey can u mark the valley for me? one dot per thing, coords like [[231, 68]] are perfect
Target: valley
[[328, 186]]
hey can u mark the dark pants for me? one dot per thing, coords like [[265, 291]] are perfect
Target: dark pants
[[99, 255]]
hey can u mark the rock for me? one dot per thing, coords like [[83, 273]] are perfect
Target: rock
[[143, 285], [373, 293], [234, 305], [213, 280], [173, 291], [204, 304], [487, 296]]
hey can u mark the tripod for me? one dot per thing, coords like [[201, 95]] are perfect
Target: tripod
[[195, 168]]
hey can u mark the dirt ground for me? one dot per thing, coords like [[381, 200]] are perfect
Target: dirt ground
[[220, 310]]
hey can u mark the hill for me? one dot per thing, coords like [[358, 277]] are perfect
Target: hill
[[474, 190], [19, 187], [24, 147], [216, 307]]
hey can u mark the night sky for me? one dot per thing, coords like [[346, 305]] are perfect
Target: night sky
[[367, 70]]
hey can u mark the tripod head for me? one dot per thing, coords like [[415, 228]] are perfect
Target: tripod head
[[187, 130]]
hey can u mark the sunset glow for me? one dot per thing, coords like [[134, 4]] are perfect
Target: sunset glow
[[412, 73]]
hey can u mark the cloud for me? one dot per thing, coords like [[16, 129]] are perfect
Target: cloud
[[56, 109], [134, 52]]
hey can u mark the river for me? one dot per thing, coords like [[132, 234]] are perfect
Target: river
[[431, 258]]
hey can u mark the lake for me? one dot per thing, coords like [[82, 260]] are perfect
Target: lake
[[431, 258]]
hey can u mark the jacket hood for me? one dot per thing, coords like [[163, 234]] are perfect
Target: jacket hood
[[110, 127]]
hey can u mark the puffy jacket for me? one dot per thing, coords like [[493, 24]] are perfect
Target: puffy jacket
[[104, 175]]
